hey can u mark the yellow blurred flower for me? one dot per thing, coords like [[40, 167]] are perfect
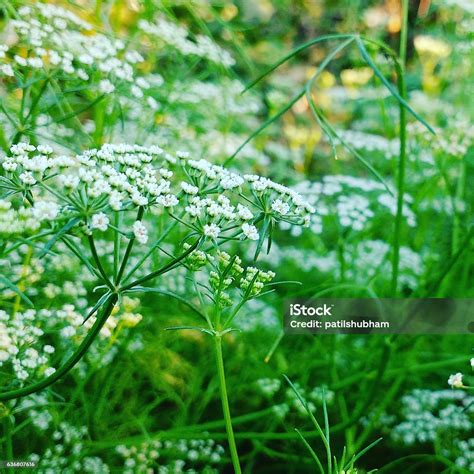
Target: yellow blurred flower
[[130, 320], [429, 46], [356, 77]]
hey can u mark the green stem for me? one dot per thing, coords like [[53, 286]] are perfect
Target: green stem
[[403, 150], [129, 248], [225, 405], [404, 33], [98, 262], [456, 213], [8, 441], [152, 249], [169, 266], [117, 216], [99, 119]]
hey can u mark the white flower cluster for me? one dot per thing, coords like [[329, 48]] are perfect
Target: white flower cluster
[[125, 176], [19, 334], [176, 456], [465, 457], [57, 40], [213, 217], [224, 97], [268, 387], [353, 200], [372, 257], [313, 398], [370, 142], [24, 219], [68, 453], [428, 413], [453, 140], [176, 36]]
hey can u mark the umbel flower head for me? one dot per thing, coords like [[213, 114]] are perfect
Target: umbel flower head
[[212, 202], [52, 39]]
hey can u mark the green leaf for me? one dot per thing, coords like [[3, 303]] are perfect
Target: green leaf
[[366, 56], [102, 300], [191, 328], [361, 453], [67, 227], [266, 124], [9, 284], [296, 51], [144, 289], [311, 451]]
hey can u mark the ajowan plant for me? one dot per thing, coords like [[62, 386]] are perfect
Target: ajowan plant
[[151, 205], [108, 192]]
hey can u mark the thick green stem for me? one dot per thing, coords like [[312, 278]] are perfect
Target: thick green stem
[[225, 405], [404, 33], [8, 425], [403, 150], [460, 188]]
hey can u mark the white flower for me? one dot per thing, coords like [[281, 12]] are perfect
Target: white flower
[[27, 178], [244, 212], [100, 222], [212, 230], [7, 70], [189, 188], [455, 380], [45, 210], [49, 371], [472, 362], [106, 87], [169, 200], [250, 231], [281, 207], [231, 181], [69, 180], [140, 232]]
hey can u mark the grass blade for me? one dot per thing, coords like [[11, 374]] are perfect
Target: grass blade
[[64, 229], [361, 453], [296, 51], [10, 285], [266, 124], [311, 451], [366, 56]]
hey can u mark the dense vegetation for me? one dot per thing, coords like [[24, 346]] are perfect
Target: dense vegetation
[[172, 173]]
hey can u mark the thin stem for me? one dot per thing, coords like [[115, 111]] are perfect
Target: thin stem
[[225, 405], [169, 266], [152, 249], [98, 262], [403, 150], [128, 251], [116, 244]]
